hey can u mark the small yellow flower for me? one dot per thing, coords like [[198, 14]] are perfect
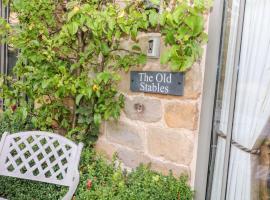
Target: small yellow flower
[[76, 8], [7, 26], [156, 178], [43, 37], [186, 37], [95, 88], [31, 26], [122, 14]]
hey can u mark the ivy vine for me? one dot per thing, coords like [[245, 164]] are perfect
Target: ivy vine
[[70, 55]]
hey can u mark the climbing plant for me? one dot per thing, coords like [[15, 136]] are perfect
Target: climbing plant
[[70, 56]]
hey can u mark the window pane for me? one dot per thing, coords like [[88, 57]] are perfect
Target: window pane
[[227, 63], [12, 59], [223, 97], [12, 53]]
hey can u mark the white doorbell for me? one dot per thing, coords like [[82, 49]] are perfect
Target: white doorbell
[[153, 47]]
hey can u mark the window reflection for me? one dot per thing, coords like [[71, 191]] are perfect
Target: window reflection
[[12, 59]]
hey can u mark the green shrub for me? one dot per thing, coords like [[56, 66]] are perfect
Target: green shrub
[[18, 189], [103, 181], [10, 122], [109, 182]]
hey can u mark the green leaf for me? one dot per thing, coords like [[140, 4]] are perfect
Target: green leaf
[[73, 28], [179, 12], [136, 47], [74, 66], [24, 113], [107, 114], [111, 24], [142, 58], [89, 93], [71, 14], [153, 18], [34, 120], [45, 84], [78, 99], [195, 23], [175, 65], [71, 4], [187, 64], [170, 38], [98, 93], [204, 37], [169, 19], [156, 2], [165, 57], [162, 19], [97, 118], [48, 120], [104, 48], [183, 32], [62, 69], [134, 32], [105, 77]]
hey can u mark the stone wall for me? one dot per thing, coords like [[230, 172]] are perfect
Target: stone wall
[[164, 132]]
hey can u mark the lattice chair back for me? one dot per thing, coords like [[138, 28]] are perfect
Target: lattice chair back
[[41, 156]]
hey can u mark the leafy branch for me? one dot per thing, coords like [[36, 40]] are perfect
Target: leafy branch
[[70, 56]]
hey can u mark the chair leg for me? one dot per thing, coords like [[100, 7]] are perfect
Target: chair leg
[[72, 189]]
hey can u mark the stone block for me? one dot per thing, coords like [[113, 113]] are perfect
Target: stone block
[[166, 167], [182, 115], [192, 84], [105, 148], [154, 65], [131, 158], [125, 134], [124, 84], [151, 109], [172, 145], [102, 129]]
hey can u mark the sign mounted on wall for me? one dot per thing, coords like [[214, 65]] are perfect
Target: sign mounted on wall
[[168, 83]]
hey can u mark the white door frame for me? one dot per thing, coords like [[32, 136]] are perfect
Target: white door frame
[[206, 132]]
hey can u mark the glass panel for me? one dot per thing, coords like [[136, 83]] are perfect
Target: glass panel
[[252, 107], [227, 63], [218, 170], [2, 51], [223, 97], [12, 59], [12, 53]]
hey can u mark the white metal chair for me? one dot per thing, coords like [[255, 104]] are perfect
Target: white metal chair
[[41, 156]]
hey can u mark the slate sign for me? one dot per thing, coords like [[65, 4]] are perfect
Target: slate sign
[[170, 83]]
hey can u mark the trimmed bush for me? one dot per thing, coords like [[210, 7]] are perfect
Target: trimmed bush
[[101, 180]]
